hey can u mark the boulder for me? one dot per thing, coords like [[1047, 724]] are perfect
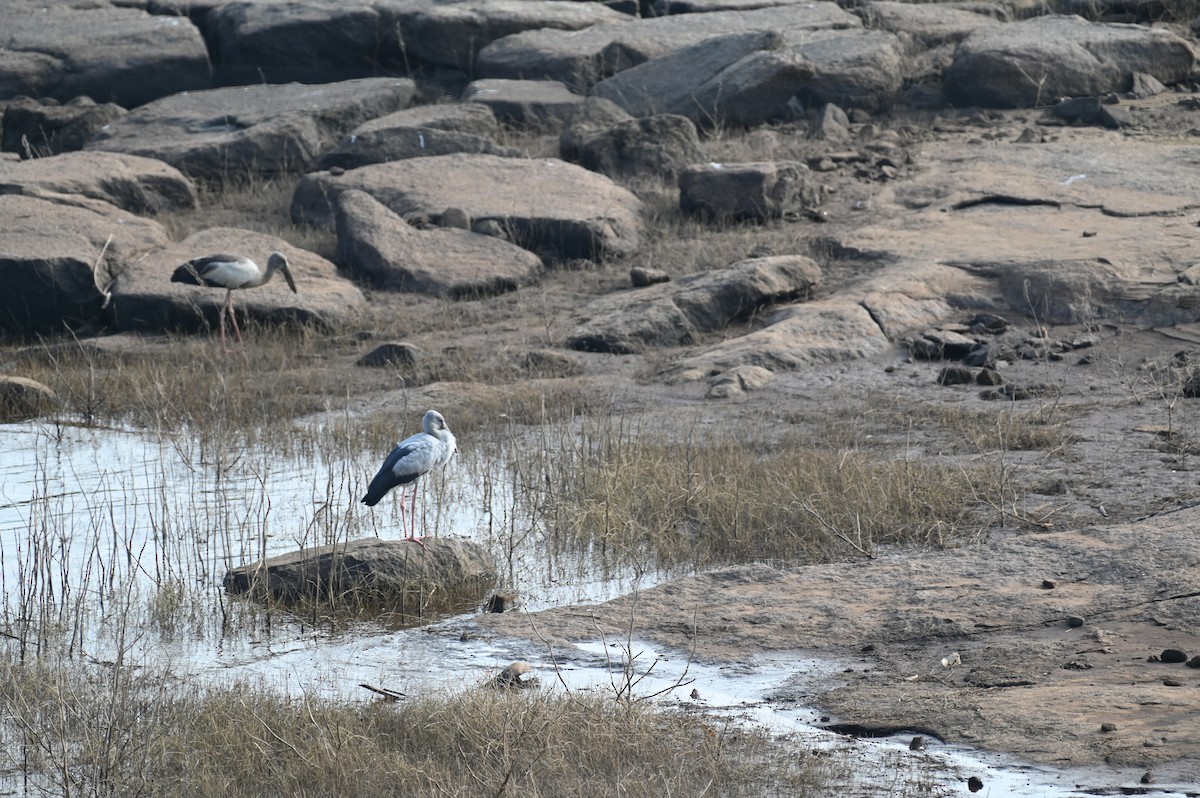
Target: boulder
[[444, 261], [547, 206], [58, 254], [393, 354], [1036, 61], [672, 314], [656, 147], [418, 132], [452, 34], [317, 41], [764, 190], [136, 184], [738, 381], [262, 129], [739, 79], [383, 575], [144, 298], [852, 69], [582, 58], [22, 398], [930, 24], [537, 105], [120, 55], [37, 128]]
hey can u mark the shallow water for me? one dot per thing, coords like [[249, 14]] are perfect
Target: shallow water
[[98, 525]]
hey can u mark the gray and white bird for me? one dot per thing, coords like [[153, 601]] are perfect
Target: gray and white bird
[[232, 272], [412, 458]]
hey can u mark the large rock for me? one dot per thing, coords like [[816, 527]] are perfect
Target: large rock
[[537, 105], [384, 575], [58, 254], [22, 398], [314, 41], [419, 132], [458, 264], [739, 79], [452, 34], [144, 298], [136, 184], [931, 24], [582, 58], [852, 69], [1033, 62], [655, 147], [263, 129], [120, 55], [671, 314], [760, 190], [547, 206], [37, 128]]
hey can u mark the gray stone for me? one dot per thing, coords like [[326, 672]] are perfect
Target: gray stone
[[385, 575], [36, 128], [263, 129], [655, 147], [537, 105], [416, 133], [548, 206], [853, 69], [120, 55], [764, 190], [394, 354], [136, 184], [446, 261]]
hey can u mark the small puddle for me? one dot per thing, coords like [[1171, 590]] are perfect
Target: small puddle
[[96, 524]]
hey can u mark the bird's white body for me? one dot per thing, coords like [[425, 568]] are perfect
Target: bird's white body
[[412, 458], [232, 272]]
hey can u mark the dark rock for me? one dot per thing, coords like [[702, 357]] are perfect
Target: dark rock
[[551, 363], [386, 575], [500, 602], [642, 276], [659, 147], [955, 375], [980, 355], [762, 190], [515, 677], [974, 784], [917, 743], [260, 129], [1074, 621], [1172, 656], [22, 398], [1108, 727], [535, 105], [120, 55], [1147, 778], [1049, 584], [394, 354], [417, 133], [1077, 110], [37, 128], [988, 376], [988, 323], [1194, 662]]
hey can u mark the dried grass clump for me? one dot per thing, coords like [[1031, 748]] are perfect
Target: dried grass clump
[[687, 502], [73, 730]]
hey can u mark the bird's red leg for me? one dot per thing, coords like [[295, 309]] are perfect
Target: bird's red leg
[[224, 345], [232, 315]]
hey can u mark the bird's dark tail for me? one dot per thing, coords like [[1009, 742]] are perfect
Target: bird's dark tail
[[187, 274], [372, 498]]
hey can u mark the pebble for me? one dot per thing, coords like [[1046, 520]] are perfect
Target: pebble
[[1172, 656], [1049, 584], [974, 784], [1108, 727], [1147, 778], [917, 743], [1194, 662], [1074, 621]]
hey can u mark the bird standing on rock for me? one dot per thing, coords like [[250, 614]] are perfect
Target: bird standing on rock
[[232, 272], [412, 458]]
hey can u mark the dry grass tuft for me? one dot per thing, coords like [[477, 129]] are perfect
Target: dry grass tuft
[[114, 731]]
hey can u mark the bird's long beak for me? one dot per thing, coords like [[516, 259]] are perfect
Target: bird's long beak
[[287, 275]]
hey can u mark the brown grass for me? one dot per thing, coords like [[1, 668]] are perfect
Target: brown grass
[[98, 730]]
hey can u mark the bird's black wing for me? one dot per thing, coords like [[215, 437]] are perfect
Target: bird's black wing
[[407, 461]]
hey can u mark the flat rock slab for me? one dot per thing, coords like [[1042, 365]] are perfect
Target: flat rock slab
[[539, 105], [144, 298], [389, 575], [263, 129], [449, 262], [548, 206], [1030, 63], [756, 190], [582, 58], [58, 253], [932, 24], [452, 34], [37, 128], [1028, 682], [672, 314], [1065, 232], [131, 182], [316, 41], [418, 133], [120, 55]]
